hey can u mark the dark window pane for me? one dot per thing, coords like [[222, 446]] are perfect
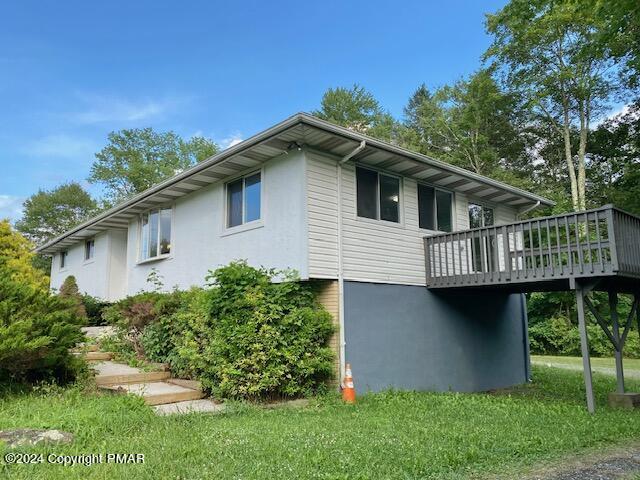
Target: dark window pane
[[475, 216], [488, 217], [252, 197], [234, 203], [89, 248], [389, 198], [426, 217], [444, 202], [367, 192], [165, 231], [153, 234], [144, 237], [63, 259]]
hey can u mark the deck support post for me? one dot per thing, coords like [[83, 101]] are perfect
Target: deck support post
[[584, 344], [615, 327]]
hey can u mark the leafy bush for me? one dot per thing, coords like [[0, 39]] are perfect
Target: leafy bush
[[94, 308], [260, 339], [37, 329], [556, 336]]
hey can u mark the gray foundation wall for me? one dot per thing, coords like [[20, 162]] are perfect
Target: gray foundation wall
[[408, 337]]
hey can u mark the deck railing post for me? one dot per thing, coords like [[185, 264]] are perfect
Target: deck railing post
[[611, 232], [506, 252]]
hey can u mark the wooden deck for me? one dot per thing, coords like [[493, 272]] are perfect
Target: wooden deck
[[541, 254]]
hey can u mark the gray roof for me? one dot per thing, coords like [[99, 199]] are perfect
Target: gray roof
[[300, 130]]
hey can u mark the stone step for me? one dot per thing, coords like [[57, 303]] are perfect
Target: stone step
[[189, 406], [157, 393]]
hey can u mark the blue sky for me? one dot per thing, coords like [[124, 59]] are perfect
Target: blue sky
[[71, 72]]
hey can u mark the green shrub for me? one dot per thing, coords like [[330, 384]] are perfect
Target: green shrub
[[69, 290], [37, 329], [94, 308], [260, 339], [556, 336]]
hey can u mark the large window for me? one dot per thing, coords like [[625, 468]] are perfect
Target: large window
[[378, 195], [63, 259], [435, 209], [155, 233], [89, 249], [480, 216], [244, 200]]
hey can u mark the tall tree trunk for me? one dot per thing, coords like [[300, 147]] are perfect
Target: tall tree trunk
[[582, 148], [566, 133]]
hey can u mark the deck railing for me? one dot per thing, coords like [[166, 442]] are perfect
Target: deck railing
[[604, 241]]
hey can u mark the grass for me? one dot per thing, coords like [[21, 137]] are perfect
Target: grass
[[387, 435], [630, 364]]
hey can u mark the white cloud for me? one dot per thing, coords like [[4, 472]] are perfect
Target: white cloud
[[621, 110], [229, 141], [60, 146], [114, 109], [10, 207]]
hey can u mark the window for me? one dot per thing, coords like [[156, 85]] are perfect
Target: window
[[480, 216], [155, 233], [378, 195], [482, 249], [435, 208], [89, 249], [244, 200], [63, 259]]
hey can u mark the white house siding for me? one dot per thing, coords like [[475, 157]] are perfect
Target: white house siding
[[201, 242], [373, 251], [92, 275]]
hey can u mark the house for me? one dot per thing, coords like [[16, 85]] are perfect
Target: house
[[351, 214]]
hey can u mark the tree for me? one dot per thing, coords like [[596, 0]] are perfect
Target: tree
[[50, 213], [614, 166], [547, 50], [137, 159], [16, 254], [358, 110], [472, 124]]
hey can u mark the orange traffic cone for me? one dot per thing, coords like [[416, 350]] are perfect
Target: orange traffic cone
[[348, 391]]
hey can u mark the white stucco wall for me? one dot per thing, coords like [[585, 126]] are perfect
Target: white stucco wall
[[201, 242], [92, 275]]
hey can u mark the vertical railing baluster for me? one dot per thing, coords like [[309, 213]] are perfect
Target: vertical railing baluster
[[551, 262], [599, 240], [588, 238], [558, 248], [540, 249], [578, 244], [569, 251]]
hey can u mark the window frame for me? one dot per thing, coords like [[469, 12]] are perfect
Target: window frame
[[245, 225], [64, 257], [483, 206], [379, 172], [159, 256], [89, 259], [435, 206]]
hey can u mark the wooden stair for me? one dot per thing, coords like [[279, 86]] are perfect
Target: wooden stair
[[158, 393], [96, 356]]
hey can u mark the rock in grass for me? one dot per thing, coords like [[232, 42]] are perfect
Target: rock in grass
[[22, 437]]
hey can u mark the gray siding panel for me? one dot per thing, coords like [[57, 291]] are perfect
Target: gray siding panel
[[406, 337]]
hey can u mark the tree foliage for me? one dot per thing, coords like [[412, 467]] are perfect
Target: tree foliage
[[137, 159], [50, 213], [547, 50], [357, 109]]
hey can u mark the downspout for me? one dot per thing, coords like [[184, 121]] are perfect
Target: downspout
[[527, 210], [343, 342]]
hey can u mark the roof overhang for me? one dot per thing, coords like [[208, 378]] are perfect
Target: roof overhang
[[299, 131]]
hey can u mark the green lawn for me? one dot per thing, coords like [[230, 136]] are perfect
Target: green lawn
[[631, 365], [388, 435]]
